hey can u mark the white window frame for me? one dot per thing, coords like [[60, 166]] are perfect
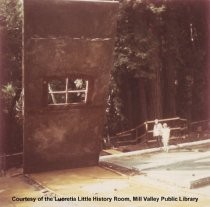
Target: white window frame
[[66, 92]]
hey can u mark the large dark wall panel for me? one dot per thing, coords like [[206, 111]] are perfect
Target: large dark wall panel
[[63, 39]]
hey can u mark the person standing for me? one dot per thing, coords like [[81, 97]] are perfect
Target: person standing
[[165, 136], [157, 132]]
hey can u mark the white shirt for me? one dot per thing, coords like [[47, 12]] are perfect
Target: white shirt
[[165, 133], [157, 130]]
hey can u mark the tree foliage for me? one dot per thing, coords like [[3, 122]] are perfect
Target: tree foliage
[[160, 60], [163, 45], [11, 15]]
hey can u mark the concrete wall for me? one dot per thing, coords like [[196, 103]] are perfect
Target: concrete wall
[[64, 38]]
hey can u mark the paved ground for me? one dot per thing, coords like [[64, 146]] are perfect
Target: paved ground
[[186, 165], [156, 175]]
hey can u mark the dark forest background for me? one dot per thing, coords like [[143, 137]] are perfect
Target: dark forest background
[[160, 67]]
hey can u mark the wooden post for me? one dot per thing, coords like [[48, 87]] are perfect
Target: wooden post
[[146, 131]]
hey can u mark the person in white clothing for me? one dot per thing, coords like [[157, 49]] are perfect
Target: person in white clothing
[[165, 136], [157, 132]]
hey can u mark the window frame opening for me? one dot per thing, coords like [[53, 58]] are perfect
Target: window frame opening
[[82, 93]]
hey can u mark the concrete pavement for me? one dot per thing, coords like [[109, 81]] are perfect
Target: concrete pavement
[[95, 187], [157, 184], [186, 165]]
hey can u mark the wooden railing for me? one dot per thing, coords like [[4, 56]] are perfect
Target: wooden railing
[[200, 125], [4, 159], [143, 132], [179, 128]]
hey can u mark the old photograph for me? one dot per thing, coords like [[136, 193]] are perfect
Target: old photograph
[[104, 103]]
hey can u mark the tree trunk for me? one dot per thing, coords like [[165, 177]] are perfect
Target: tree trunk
[[128, 106], [142, 101], [158, 95]]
